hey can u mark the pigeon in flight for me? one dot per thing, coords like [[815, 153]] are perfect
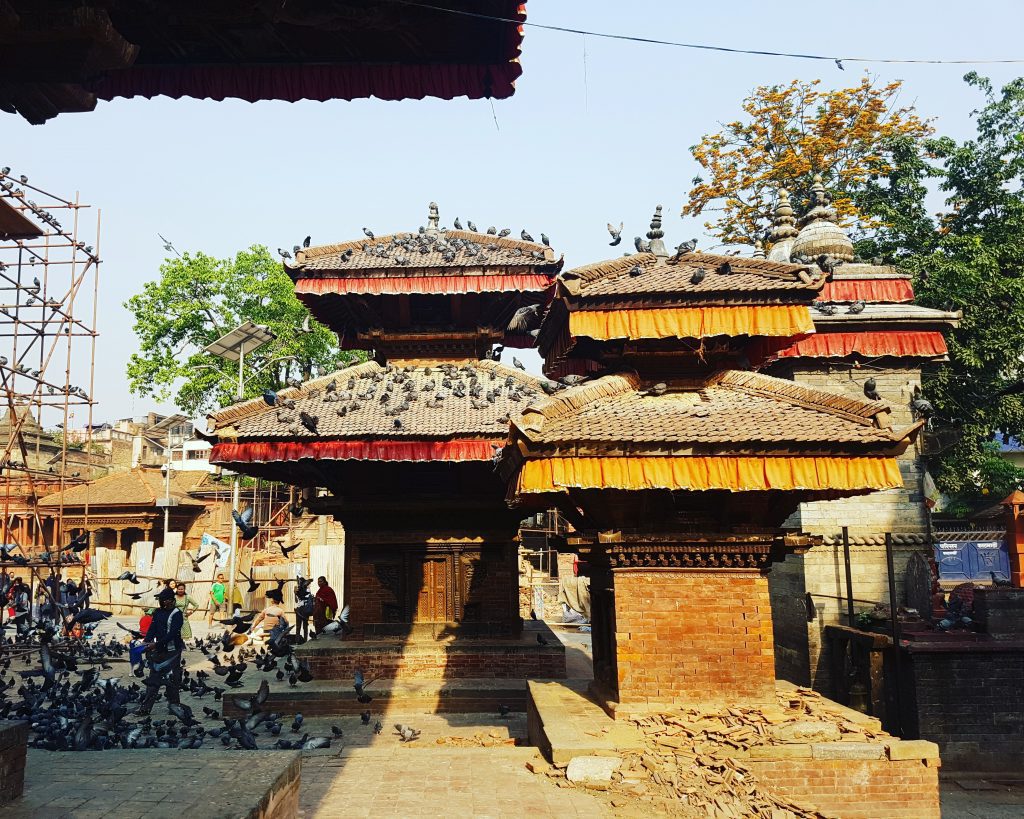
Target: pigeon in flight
[[244, 523]]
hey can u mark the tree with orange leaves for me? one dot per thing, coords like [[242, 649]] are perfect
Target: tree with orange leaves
[[790, 133]]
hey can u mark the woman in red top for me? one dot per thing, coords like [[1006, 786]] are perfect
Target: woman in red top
[[325, 605]]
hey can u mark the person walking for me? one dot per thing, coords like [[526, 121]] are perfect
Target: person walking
[[164, 646], [218, 603], [186, 605], [325, 606]]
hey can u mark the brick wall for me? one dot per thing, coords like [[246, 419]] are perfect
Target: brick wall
[[969, 698], [800, 646], [686, 636], [13, 749], [856, 788], [894, 510]]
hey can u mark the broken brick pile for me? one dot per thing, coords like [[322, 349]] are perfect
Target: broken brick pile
[[700, 763]]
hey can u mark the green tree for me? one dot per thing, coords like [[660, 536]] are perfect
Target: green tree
[[974, 262], [199, 298]]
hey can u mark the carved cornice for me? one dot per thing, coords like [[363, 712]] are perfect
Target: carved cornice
[[686, 556]]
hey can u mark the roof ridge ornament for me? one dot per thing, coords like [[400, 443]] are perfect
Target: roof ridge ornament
[[433, 218], [820, 234], [783, 230], [656, 235]]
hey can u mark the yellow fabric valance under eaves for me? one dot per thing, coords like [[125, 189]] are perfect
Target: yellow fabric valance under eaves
[[737, 474], [693, 322]]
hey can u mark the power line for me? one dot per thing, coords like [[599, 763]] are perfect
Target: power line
[[835, 58]]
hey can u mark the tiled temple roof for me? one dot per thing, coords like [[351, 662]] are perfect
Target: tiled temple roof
[[674, 275], [728, 407], [354, 409], [408, 254], [138, 487]]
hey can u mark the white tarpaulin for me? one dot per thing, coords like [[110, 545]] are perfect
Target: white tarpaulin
[[222, 549]]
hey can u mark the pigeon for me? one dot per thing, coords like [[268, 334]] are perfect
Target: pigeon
[[857, 307], [131, 577], [725, 268], [310, 422], [284, 254], [687, 247], [471, 226], [523, 318], [79, 543], [307, 326], [368, 233], [922, 407], [269, 397], [635, 270], [306, 241], [337, 731], [544, 240], [457, 223], [365, 717], [518, 364], [244, 523], [359, 685], [197, 560], [526, 237], [657, 389], [870, 390], [541, 640], [406, 733], [285, 551], [253, 584], [377, 727], [999, 581], [825, 308], [616, 234], [698, 275]]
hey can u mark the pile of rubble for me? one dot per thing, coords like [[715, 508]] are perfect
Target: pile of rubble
[[691, 762], [480, 739]]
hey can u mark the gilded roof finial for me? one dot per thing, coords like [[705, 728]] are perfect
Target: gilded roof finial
[[656, 235], [433, 218]]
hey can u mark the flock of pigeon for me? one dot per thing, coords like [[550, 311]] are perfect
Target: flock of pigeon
[[402, 248], [398, 388]]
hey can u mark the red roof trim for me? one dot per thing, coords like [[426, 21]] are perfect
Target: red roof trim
[[435, 285], [870, 344], [873, 290], [226, 454]]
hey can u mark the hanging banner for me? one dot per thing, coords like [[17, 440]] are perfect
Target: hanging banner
[[222, 550]]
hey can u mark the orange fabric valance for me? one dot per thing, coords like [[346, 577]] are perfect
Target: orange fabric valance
[[883, 290], [737, 474], [692, 322], [871, 344]]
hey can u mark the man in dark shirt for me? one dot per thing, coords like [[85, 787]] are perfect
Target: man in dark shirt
[[164, 647]]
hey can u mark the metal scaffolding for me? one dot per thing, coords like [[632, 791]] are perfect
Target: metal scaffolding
[[49, 284]]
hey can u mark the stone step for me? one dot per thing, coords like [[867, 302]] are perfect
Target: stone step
[[335, 697], [564, 721]]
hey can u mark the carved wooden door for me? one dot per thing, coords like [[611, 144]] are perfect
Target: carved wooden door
[[431, 603]]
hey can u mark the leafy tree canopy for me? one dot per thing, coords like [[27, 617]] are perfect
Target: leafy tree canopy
[[789, 134], [199, 298]]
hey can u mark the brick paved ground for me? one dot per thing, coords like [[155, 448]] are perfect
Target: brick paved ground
[[151, 784], [434, 782], [981, 796]]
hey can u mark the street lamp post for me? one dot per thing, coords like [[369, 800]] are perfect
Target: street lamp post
[[234, 345]]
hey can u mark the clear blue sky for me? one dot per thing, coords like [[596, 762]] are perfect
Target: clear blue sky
[[583, 141]]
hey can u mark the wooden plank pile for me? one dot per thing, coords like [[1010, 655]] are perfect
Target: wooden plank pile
[[692, 763]]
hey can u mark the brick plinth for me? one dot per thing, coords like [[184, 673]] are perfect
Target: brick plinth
[[13, 748], [855, 788], [518, 658], [685, 636]]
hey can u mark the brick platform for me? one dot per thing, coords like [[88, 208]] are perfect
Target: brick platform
[[337, 697], [331, 658], [13, 747], [160, 785], [687, 636]]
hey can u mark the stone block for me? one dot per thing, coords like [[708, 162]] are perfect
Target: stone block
[[847, 750], [592, 768], [912, 749], [788, 751], [805, 731]]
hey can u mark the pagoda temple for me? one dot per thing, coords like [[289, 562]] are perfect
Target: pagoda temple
[[400, 448], [869, 340], [679, 465]]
